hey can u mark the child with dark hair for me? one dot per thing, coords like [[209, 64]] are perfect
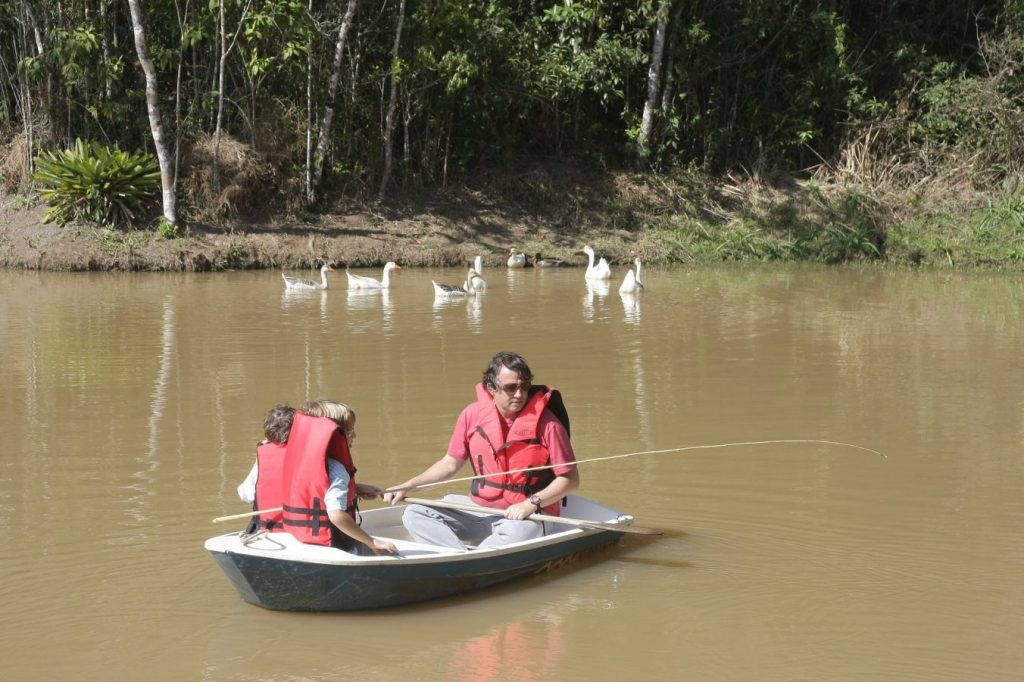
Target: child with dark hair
[[277, 426]]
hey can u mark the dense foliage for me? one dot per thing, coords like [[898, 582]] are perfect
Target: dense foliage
[[96, 183], [745, 84]]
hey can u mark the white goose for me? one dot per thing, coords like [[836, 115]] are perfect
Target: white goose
[[601, 271], [360, 282], [631, 283], [478, 280], [516, 259], [299, 283]]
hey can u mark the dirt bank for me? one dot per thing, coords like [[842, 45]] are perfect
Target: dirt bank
[[539, 211]]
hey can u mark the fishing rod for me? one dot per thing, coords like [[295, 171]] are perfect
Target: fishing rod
[[632, 454], [591, 460]]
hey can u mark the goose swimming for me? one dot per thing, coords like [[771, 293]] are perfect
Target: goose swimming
[[476, 279], [517, 259], [299, 283], [630, 285], [361, 282], [454, 290], [601, 271]]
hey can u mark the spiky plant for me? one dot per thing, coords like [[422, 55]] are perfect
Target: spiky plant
[[96, 183]]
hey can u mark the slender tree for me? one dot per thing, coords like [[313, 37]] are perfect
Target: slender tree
[[225, 49], [653, 80], [389, 120], [327, 119], [167, 180]]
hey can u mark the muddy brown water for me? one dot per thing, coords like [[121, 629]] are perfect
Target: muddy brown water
[[132, 404]]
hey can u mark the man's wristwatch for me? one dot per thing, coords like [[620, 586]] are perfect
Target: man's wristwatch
[[535, 501]]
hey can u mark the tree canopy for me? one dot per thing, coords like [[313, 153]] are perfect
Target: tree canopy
[[478, 84]]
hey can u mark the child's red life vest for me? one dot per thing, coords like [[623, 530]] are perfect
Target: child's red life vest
[[269, 485], [305, 479]]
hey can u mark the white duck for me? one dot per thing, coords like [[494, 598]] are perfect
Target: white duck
[[599, 272], [360, 282], [516, 259], [299, 283], [478, 280], [631, 284]]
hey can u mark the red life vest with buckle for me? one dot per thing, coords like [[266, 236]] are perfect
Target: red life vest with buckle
[[492, 455], [269, 485], [305, 479]]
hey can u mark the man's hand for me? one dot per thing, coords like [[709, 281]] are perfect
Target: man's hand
[[520, 511]]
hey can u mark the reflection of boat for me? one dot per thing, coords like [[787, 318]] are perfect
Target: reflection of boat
[[275, 571]]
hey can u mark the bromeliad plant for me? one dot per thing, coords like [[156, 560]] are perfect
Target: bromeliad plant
[[96, 183]]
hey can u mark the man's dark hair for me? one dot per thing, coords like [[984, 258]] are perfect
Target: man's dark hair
[[513, 361]]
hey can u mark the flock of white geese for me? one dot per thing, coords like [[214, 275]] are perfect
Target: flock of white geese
[[475, 282]]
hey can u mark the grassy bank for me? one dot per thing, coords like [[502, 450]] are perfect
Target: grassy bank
[[681, 219]]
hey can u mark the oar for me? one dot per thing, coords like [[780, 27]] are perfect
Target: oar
[[422, 486], [582, 523]]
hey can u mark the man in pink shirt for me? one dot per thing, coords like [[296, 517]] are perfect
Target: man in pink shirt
[[511, 426]]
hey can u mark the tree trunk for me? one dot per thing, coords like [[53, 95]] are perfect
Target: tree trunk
[[389, 120], [309, 111], [220, 98], [104, 24], [153, 105], [224, 51], [332, 88], [182, 23], [653, 81]]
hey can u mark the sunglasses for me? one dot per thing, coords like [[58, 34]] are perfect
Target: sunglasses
[[511, 389]]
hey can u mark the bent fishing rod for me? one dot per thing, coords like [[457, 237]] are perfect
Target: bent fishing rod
[[591, 460], [632, 454]]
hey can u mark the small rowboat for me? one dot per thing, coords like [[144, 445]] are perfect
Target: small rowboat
[[275, 571]]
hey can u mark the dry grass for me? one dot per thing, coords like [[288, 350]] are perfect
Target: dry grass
[[14, 164], [246, 183]]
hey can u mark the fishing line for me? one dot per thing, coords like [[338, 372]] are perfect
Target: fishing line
[[591, 460], [635, 454]]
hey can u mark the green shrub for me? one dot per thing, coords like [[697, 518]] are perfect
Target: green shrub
[[96, 183]]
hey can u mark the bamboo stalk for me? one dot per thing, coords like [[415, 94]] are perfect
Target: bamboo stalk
[[221, 519]]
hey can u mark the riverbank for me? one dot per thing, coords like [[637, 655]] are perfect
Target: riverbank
[[554, 211]]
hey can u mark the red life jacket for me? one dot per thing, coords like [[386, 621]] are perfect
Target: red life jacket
[[269, 485], [305, 481], [490, 454]]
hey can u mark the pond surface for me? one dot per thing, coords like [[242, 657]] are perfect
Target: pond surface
[[132, 405]]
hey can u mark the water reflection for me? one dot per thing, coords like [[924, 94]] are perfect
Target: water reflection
[[630, 308], [148, 462], [299, 297], [370, 300], [533, 651], [472, 304], [596, 293]]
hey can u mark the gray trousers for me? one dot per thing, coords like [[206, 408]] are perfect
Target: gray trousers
[[454, 527]]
